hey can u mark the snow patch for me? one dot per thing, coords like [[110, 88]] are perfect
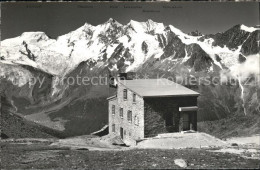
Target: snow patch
[[248, 29]]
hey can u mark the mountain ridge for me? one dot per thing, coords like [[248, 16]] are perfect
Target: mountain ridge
[[70, 46]]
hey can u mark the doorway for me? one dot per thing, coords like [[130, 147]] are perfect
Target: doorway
[[186, 121], [121, 133], [188, 118]]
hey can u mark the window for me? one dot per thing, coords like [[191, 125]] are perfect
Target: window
[[113, 109], [136, 121], [113, 128], [134, 97], [121, 113], [125, 94], [129, 116]]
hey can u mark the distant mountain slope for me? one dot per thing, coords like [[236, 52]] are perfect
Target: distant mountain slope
[[232, 126], [14, 126]]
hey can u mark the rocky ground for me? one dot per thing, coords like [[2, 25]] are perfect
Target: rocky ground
[[95, 153], [27, 156], [189, 139]]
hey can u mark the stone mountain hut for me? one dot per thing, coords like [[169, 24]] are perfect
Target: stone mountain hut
[[145, 108]]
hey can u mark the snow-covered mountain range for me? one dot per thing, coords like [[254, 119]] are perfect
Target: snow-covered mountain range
[[145, 47], [136, 41]]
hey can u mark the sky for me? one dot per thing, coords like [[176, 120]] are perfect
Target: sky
[[56, 19]]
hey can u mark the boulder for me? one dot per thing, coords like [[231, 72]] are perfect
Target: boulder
[[181, 163]]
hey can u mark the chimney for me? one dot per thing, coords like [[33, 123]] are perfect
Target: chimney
[[126, 76]]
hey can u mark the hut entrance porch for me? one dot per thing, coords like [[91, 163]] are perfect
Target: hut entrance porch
[[188, 118]]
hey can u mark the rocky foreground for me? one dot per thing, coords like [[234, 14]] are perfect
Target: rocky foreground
[[98, 153], [41, 156]]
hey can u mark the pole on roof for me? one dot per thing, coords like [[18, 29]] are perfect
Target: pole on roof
[[108, 85]]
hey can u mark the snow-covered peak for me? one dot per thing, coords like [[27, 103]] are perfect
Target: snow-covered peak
[[176, 30], [248, 29], [157, 27], [87, 25], [111, 24], [81, 33], [28, 37], [113, 21], [148, 26], [137, 26], [33, 35]]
